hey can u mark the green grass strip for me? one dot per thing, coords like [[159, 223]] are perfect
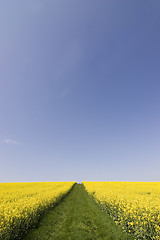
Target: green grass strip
[[77, 217]]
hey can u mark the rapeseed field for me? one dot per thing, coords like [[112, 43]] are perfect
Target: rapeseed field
[[21, 204], [133, 205]]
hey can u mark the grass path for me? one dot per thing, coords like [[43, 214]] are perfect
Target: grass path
[[77, 217]]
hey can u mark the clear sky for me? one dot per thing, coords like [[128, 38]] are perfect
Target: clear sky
[[79, 90]]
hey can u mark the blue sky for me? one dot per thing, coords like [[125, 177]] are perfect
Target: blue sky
[[79, 90]]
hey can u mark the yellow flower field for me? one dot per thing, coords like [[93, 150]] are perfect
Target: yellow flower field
[[133, 205], [21, 204]]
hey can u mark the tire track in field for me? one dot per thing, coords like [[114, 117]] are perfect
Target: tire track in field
[[77, 217]]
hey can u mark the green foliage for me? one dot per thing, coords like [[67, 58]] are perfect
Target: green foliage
[[77, 217]]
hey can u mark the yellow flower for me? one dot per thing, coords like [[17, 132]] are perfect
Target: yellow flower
[[136, 205]]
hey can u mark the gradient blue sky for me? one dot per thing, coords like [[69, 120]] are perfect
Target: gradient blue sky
[[79, 90]]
